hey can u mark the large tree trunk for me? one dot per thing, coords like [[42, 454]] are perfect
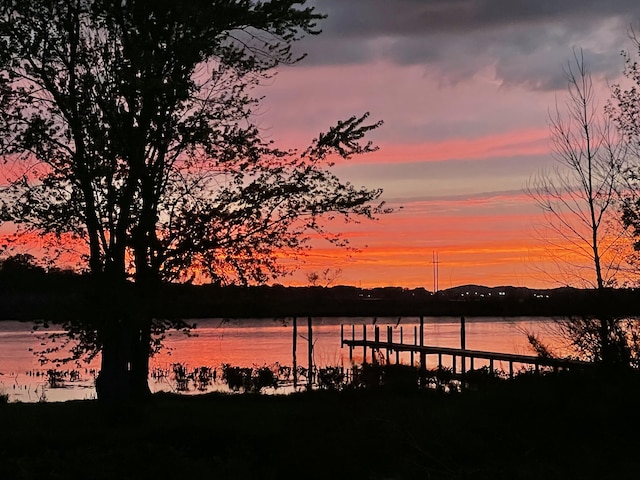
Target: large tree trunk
[[140, 353], [124, 369], [125, 334], [113, 380]]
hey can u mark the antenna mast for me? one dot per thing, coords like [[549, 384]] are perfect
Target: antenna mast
[[436, 263]]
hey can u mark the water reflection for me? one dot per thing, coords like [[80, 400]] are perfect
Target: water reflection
[[195, 363]]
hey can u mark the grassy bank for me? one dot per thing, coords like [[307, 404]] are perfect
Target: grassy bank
[[532, 428]]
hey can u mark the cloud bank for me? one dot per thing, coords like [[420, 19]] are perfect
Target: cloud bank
[[522, 43]]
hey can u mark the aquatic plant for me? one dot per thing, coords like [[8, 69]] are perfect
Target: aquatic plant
[[263, 377], [249, 379], [181, 376], [237, 378], [55, 378], [203, 377]]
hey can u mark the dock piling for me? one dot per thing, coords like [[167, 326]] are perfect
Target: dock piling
[[294, 348], [364, 343], [310, 353]]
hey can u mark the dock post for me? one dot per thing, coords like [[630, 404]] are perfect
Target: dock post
[[341, 335], [398, 351], [415, 342], [353, 337], [423, 369], [463, 344], [440, 361], [511, 369], [310, 353], [294, 348], [389, 341], [364, 344], [423, 356], [376, 339]]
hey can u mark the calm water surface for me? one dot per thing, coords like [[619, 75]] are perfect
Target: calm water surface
[[258, 342]]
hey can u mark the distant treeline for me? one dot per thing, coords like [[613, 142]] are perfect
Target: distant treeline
[[28, 292]]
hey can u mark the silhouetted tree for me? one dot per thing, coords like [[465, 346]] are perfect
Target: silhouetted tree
[[324, 279], [20, 263], [624, 110], [21, 270], [578, 197], [129, 123]]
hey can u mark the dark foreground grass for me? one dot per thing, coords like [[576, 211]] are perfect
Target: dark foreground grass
[[532, 428]]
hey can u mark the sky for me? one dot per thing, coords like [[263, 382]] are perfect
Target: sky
[[464, 88]]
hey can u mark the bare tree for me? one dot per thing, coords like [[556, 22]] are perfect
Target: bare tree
[[578, 194], [578, 197], [324, 279]]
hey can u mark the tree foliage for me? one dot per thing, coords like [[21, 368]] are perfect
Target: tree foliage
[[624, 109], [127, 127]]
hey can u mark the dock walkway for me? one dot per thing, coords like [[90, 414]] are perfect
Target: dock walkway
[[459, 356]]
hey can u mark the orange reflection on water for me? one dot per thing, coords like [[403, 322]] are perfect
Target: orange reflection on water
[[259, 342], [265, 342]]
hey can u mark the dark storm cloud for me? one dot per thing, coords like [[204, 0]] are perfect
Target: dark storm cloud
[[406, 17], [525, 41]]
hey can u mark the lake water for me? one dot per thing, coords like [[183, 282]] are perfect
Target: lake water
[[253, 342]]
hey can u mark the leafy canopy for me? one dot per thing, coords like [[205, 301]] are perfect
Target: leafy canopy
[[127, 126]]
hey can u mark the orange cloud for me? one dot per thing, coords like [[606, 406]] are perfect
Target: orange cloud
[[486, 240]]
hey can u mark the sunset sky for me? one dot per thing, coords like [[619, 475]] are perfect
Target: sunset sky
[[464, 88]]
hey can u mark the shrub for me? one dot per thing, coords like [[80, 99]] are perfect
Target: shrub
[[481, 377], [367, 376], [400, 377], [331, 378]]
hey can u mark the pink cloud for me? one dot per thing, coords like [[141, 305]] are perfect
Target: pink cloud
[[507, 144]]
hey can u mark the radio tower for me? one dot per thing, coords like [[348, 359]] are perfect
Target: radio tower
[[435, 271]]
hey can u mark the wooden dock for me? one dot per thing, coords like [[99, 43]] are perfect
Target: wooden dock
[[462, 359]]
